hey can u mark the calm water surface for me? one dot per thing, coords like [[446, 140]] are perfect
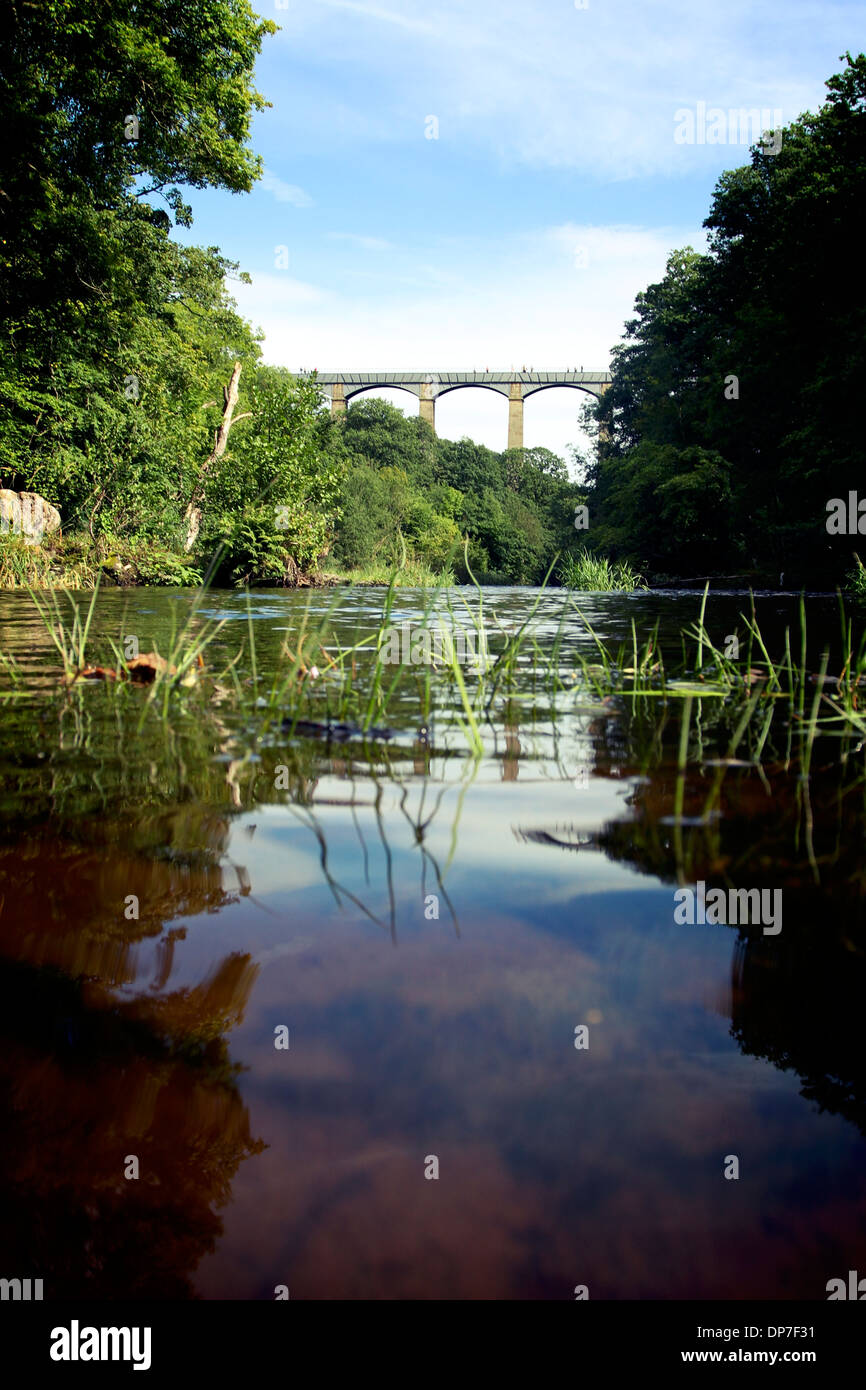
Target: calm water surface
[[431, 929]]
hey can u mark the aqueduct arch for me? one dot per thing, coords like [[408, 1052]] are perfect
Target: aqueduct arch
[[340, 387]]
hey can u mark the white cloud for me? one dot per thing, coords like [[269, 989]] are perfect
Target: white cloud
[[284, 192]]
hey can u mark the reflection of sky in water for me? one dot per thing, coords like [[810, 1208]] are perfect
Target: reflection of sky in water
[[558, 1166]]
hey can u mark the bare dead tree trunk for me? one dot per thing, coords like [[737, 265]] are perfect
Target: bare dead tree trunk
[[192, 515]]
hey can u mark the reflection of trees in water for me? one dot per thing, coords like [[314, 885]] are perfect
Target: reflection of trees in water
[[64, 900], [92, 1072], [89, 1075], [802, 1010], [796, 999]]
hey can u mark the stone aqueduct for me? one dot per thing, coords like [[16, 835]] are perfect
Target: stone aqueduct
[[340, 387]]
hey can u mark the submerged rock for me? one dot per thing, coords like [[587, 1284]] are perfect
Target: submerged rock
[[338, 733], [27, 514]]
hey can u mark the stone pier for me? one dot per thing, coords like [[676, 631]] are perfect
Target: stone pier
[[427, 405], [515, 415], [338, 399]]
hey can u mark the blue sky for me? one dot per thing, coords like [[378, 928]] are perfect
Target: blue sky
[[553, 191]]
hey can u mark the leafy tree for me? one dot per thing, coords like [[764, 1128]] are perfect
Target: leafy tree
[[389, 439], [435, 538], [276, 496], [117, 431], [115, 340], [100, 101], [470, 467], [370, 519]]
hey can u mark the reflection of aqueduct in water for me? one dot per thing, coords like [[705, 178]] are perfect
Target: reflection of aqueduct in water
[[340, 387]]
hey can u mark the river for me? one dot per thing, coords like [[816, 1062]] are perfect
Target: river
[[297, 1015]]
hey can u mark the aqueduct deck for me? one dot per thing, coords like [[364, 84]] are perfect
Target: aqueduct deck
[[340, 387]]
